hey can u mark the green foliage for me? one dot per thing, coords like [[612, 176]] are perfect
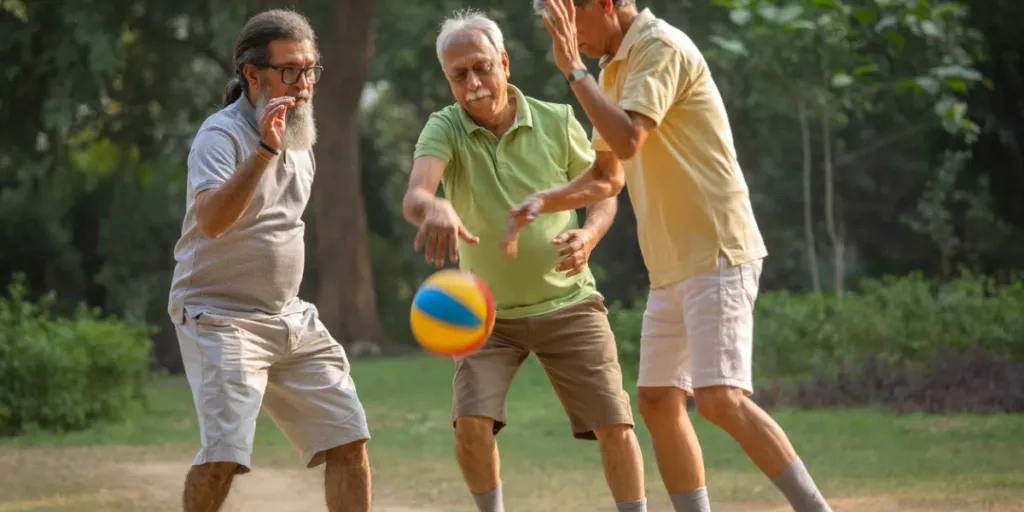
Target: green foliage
[[66, 373], [903, 320]]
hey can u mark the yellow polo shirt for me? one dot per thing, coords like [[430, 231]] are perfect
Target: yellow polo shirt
[[688, 192]]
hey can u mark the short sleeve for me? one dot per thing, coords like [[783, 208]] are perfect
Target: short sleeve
[[581, 156], [435, 139], [212, 160], [653, 77]]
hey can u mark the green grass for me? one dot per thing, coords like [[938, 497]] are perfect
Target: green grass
[[851, 453]]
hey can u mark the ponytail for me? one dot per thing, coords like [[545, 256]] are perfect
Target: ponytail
[[233, 91]]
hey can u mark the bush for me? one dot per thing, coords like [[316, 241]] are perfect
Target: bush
[[900, 341], [964, 382], [902, 321], [66, 373]]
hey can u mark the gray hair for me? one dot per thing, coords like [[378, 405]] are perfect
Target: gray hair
[[541, 6], [469, 19], [253, 44]]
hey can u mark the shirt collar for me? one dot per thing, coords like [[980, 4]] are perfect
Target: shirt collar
[[523, 115], [642, 20], [248, 111]]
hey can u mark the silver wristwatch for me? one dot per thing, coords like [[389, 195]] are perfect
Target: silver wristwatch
[[577, 74]]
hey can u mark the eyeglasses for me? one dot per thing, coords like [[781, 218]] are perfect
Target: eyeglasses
[[290, 74]]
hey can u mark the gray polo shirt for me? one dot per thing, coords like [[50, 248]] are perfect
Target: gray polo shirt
[[255, 267]]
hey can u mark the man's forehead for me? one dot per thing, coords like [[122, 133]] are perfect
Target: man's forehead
[[466, 47], [288, 52]]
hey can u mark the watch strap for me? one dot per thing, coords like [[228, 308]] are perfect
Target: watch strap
[[577, 74]]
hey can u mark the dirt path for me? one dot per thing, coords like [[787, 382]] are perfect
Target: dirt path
[[265, 490], [131, 479], [126, 479]]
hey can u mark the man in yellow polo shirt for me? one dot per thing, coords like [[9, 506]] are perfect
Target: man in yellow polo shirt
[[490, 149], [656, 109]]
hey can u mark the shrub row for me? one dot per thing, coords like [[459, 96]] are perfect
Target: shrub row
[[904, 342], [66, 373]]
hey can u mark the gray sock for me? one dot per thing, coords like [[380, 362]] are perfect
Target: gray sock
[[490, 501], [692, 501], [639, 505], [798, 487]]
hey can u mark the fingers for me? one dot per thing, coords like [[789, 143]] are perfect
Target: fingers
[[453, 249], [557, 8], [570, 11], [512, 230], [441, 242], [574, 253], [574, 263], [421, 237], [428, 251], [276, 103], [467, 236]]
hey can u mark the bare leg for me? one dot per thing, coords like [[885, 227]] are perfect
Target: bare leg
[[207, 486], [347, 481], [756, 432], [623, 462], [676, 448], [764, 442], [477, 452]]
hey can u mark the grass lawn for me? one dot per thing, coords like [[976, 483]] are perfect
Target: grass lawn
[[863, 460]]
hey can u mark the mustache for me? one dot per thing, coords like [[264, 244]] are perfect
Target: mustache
[[479, 93]]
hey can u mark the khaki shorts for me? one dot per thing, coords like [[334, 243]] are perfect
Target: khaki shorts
[[700, 332], [576, 347], [290, 364]]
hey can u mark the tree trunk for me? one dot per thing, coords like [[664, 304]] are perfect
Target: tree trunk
[[838, 257], [805, 138], [346, 296]]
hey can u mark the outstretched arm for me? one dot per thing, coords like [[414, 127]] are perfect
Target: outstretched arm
[[596, 189], [440, 227], [603, 180]]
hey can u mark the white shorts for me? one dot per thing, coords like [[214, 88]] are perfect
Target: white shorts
[[290, 364], [699, 332]]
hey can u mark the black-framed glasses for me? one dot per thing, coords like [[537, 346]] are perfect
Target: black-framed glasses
[[290, 74]]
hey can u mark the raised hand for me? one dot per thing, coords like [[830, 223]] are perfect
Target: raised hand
[[560, 20], [273, 120], [441, 230]]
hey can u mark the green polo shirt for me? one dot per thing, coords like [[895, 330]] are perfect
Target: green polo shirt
[[486, 177]]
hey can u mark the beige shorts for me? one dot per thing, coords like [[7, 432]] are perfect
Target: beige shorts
[[576, 347], [699, 332], [291, 365]]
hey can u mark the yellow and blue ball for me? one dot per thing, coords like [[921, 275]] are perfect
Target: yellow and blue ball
[[452, 313]]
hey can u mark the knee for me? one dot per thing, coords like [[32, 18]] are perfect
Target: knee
[[720, 405], [614, 434], [353, 453], [474, 432], [658, 402], [215, 471]]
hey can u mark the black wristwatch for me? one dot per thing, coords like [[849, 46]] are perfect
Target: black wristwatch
[[577, 74]]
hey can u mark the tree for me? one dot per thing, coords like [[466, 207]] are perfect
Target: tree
[[346, 296], [849, 60]]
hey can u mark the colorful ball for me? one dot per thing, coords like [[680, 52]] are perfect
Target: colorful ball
[[452, 313]]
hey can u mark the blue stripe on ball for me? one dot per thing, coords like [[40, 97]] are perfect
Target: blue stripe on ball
[[442, 306]]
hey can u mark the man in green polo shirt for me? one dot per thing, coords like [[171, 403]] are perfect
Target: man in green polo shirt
[[490, 150]]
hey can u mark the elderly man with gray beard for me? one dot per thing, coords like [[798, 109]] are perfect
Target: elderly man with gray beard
[[246, 338]]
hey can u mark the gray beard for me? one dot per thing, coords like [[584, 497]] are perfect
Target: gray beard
[[300, 124]]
